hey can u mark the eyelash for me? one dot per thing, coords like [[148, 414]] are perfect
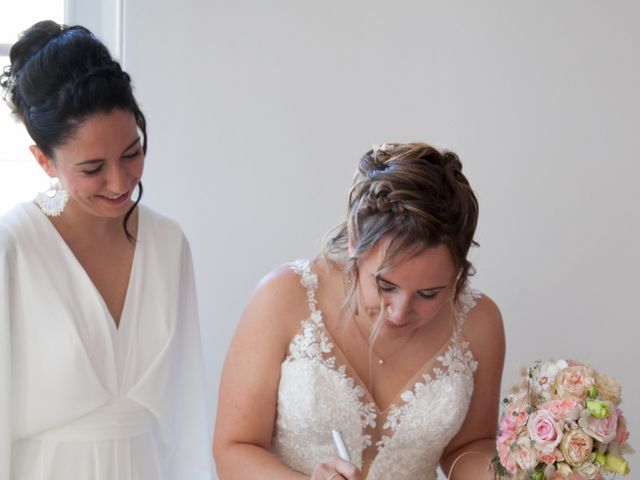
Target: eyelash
[[428, 296], [385, 288], [425, 296], [92, 172], [97, 169], [131, 155]]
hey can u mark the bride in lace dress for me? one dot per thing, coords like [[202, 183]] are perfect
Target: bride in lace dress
[[381, 338]]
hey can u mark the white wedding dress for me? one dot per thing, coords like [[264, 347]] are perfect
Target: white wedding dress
[[319, 392]]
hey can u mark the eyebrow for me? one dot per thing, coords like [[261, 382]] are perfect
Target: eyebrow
[[99, 160], [432, 289]]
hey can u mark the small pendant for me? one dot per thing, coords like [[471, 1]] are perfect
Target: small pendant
[[380, 361]]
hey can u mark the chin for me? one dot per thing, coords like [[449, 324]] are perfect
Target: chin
[[111, 212]]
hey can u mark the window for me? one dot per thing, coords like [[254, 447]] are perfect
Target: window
[[20, 176]]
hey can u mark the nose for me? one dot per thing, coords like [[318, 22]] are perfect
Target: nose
[[398, 310], [118, 180]]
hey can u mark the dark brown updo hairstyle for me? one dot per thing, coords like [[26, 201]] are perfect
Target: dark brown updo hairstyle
[[60, 76], [414, 196]]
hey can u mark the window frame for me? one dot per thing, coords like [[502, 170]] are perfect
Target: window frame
[[105, 18]]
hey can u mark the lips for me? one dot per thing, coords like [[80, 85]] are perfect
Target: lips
[[116, 199], [389, 324]]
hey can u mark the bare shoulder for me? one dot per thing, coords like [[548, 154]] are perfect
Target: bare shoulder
[[484, 328], [281, 287], [278, 302]]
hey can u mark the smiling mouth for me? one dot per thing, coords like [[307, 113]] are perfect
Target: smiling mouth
[[115, 199]]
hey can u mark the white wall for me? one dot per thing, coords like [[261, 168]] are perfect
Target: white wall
[[258, 112]]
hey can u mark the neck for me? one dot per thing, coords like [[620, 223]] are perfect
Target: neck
[[383, 346]]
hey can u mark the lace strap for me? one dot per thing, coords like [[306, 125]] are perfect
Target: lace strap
[[309, 281], [466, 301]]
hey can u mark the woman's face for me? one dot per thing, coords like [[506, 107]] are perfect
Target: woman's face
[[100, 165], [413, 290]]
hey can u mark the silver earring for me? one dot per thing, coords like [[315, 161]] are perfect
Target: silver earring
[[52, 201]]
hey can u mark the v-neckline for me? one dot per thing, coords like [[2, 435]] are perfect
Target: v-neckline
[[115, 329], [410, 384], [350, 372]]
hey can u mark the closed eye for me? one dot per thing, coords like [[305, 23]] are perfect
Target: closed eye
[[428, 295], [129, 156], [385, 287], [92, 172]]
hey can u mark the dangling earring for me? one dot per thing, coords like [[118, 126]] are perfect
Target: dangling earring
[[52, 201]]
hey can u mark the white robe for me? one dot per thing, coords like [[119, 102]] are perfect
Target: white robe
[[80, 398]]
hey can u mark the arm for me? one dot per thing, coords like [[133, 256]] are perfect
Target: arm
[[249, 384], [474, 445]]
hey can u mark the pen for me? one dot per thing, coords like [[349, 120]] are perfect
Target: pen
[[340, 446]]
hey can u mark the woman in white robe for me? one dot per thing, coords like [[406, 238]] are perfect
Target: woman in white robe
[[96, 382]]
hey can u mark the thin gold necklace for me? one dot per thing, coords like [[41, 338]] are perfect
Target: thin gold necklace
[[382, 359]]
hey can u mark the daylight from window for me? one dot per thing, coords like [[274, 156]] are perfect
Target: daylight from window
[[20, 177]]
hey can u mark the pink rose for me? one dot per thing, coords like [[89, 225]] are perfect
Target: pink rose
[[517, 454], [563, 409], [551, 458], [602, 429], [622, 434], [515, 414], [506, 459], [545, 431], [548, 458], [574, 381]]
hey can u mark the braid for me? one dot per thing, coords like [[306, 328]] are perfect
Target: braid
[[412, 193]]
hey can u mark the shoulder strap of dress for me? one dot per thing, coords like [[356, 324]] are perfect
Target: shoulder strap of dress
[[465, 302], [309, 281]]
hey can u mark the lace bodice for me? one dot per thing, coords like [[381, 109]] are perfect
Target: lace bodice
[[319, 392]]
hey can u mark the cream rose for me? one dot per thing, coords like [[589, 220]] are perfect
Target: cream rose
[[524, 454], [574, 381], [590, 471], [608, 388], [576, 447], [602, 429]]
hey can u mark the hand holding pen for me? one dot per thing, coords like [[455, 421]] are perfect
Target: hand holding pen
[[337, 468]]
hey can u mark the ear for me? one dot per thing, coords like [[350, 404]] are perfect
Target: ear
[[46, 163]]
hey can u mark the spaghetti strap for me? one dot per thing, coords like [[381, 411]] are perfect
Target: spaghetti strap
[[465, 302], [309, 281]]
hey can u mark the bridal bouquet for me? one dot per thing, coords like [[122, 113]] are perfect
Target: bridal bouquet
[[562, 421]]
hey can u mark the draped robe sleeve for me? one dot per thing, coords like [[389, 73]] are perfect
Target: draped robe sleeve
[[5, 355], [178, 396]]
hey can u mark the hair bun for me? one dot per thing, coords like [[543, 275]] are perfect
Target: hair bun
[[451, 162], [30, 42], [375, 160]]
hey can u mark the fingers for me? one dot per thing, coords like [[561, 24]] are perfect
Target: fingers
[[336, 469]]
